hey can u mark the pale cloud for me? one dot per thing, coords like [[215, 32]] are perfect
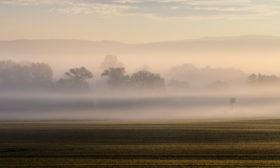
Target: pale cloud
[[103, 9], [34, 2], [218, 2], [162, 8]]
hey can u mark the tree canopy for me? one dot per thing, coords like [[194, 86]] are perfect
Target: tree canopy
[[31, 76], [75, 80], [146, 80], [116, 77]]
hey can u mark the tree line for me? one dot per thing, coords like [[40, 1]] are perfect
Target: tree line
[[39, 77], [263, 79]]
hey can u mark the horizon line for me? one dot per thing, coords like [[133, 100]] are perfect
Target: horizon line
[[163, 41]]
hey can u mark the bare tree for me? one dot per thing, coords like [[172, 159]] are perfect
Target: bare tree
[[111, 61], [18, 77], [41, 75], [147, 80], [263, 79], [116, 77], [76, 80]]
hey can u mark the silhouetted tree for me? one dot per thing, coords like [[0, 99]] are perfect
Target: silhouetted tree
[[110, 61], [18, 77], [116, 77], [13, 76], [252, 78], [41, 75], [76, 80], [232, 102], [200, 76], [146, 80], [263, 79]]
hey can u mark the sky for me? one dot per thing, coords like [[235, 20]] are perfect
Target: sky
[[137, 21]]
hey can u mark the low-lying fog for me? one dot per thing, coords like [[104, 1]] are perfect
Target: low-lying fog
[[241, 103], [193, 79]]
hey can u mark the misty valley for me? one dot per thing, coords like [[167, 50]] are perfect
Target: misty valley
[[113, 116], [33, 91], [139, 84]]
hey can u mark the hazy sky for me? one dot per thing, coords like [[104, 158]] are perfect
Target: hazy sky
[[137, 21]]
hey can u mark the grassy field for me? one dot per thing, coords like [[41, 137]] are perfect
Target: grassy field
[[247, 143]]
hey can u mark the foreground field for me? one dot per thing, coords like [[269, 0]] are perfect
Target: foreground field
[[250, 143]]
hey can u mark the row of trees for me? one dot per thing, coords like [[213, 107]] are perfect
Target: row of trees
[[35, 76], [263, 79], [77, 79], [39, 77], [117, 78]]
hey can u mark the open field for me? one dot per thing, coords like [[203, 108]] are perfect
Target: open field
[[239, 143]]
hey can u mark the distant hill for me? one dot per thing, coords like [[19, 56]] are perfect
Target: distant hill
[[220, 51], [49, 47], [242, 43]]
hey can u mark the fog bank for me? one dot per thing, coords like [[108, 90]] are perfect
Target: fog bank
[[150, 106]]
